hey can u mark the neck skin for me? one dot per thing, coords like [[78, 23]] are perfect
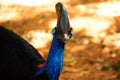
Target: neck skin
[[54, 62]]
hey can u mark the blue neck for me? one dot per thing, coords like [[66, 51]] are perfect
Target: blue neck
[[54, 62]]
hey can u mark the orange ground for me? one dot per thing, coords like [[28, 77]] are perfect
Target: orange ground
[[90, 54]]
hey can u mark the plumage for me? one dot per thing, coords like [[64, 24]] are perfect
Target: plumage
[[15, 54], [21, 61]]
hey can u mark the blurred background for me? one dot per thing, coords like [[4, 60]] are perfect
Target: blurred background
[[93, 53]]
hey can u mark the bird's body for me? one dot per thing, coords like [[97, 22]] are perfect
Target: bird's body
[[15, 54], [19, 60]]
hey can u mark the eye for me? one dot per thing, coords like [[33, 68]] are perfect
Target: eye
[[54, 31], [70, 32]]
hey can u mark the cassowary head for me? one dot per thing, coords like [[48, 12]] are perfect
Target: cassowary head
[[63, 31]]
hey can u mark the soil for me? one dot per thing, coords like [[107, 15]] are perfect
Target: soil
[[86, 58]]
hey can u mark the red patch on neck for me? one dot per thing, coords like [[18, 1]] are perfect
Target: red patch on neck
[[40, 65]]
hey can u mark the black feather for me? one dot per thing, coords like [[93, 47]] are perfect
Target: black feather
[[18, 59]]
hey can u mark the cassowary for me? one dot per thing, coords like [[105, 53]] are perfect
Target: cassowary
[[21, 61]]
